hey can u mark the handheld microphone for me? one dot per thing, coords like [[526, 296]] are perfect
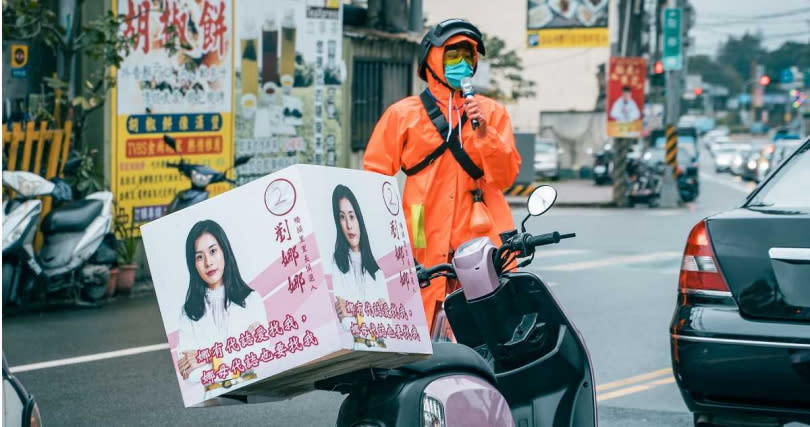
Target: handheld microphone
[[468, 92]]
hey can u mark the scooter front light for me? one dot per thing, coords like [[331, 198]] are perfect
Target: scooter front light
[[12, 237], [432, 412], [200, 180]]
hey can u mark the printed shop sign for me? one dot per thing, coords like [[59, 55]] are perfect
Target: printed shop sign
[[313, 278], [186, 94]]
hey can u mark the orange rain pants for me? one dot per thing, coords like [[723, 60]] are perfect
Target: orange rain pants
[[438, 200]]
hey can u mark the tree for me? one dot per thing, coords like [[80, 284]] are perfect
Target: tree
[[506, 81], [99, 41], [788, 55], [716, 73], [740, 53]]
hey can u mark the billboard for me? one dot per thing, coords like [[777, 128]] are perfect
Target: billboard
[[625, 97], [185, 92], [289, 74], [567, 23]]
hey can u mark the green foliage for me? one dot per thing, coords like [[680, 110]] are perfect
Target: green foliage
[[84, 180], [127, 241], [740, 53], [732, 66], [98, 41], [507, 81], [716, 73]]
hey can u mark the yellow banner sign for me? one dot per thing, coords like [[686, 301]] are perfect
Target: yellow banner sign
[[568, 37]]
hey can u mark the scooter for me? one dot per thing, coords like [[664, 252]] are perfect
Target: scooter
[[688, 185], [519, 360], [644, 184], [603, 167], [71, 259], [201, 177]]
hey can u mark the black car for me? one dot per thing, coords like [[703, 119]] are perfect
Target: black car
[[740, 335]]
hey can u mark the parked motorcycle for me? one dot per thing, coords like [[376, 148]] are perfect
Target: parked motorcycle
[[201, 177], [519, 359], [688, 185], [603, 167], [70, 261], [644, 183]]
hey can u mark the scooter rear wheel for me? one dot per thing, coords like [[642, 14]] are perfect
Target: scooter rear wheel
[[8, 278]]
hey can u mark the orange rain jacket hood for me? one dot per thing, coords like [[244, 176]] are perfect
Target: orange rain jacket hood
[[438, 200]]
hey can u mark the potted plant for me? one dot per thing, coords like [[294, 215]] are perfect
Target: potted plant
[[126, 247]]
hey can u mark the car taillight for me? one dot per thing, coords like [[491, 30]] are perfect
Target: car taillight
[[699, 269]]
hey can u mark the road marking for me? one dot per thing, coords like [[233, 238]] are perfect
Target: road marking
[[89, 358], [717, 180], [618, 260], [560, 252], [633, 380], [635, 384]]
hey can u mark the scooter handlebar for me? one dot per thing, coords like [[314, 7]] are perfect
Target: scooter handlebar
[[548, 239], [424, 275]]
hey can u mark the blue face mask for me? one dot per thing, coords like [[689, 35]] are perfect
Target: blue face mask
[[454, 73]]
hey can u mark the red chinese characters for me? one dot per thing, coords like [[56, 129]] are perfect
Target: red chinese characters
[[174, 19], [290, 323], [213, 27], [296, 283], [289, 256], [283, 232], [139, 14]]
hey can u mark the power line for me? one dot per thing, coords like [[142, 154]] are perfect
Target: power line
[[760, 17], [792, 21]]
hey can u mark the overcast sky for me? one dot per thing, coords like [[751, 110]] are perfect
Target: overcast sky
[[717, 19]]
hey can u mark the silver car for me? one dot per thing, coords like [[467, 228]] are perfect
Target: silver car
[[547, 158], [725, 154]]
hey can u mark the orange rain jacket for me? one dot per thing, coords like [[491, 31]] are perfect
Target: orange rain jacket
[[437, 200]]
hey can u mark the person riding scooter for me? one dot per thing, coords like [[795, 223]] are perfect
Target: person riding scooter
[[457, 150]]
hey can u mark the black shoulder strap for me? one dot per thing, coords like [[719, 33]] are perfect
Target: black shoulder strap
[[454, 143]]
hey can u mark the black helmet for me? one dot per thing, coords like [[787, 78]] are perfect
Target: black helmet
[[442, 32]]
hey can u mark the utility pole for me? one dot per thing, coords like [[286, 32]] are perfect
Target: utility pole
[[630, 13], [674, 89]]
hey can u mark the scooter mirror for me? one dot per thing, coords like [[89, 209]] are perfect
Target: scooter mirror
[[541, 200], [170, 142], [241, 160]]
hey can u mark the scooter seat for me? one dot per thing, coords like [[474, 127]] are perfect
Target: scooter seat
[[452, 357], [73, 216]]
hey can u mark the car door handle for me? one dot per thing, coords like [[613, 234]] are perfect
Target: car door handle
[[790, 254]]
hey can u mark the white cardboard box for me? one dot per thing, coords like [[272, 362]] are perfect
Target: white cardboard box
[[282, 250]]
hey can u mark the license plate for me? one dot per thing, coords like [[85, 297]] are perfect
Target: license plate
[[599, 169]]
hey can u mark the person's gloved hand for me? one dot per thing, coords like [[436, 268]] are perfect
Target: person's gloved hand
[[474, 112]]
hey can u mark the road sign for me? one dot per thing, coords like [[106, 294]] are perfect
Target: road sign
[[19, 61], [786, 76], [673, 55]]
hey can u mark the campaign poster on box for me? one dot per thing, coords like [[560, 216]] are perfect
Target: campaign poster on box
[[291, 269]]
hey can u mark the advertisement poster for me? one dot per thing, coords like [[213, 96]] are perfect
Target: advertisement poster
[[625, 97], [326, 271], [186, 94], [567, 23], [289, 74]]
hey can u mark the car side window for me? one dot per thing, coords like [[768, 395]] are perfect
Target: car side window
[[790, 188]]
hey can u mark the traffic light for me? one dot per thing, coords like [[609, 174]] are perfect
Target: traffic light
[[658, 68], [698, 91], [764, 80], [657, 78]]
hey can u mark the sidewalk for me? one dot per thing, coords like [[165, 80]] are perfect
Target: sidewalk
[[575, 193]]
